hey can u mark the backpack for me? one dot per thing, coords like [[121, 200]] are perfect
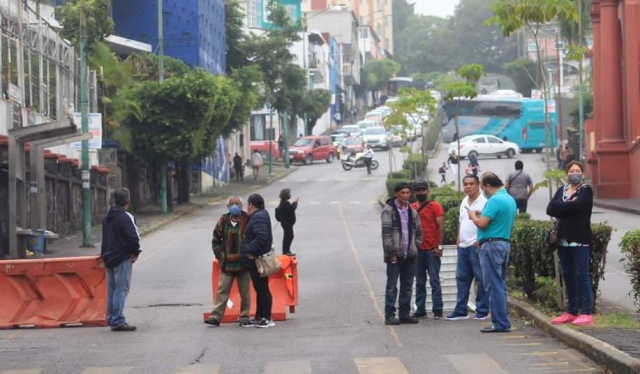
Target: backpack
[[278, 214]]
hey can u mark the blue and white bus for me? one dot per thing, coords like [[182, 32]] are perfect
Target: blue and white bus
[[519, 120]]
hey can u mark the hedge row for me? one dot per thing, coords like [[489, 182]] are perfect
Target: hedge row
[[630, 246]]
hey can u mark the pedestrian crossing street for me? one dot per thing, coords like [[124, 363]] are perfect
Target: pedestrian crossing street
[[563, 361]]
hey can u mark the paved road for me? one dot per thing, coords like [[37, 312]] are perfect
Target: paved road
[[338, 325], [616, 286]]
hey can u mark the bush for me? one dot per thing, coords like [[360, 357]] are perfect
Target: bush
[[630, 246], [531, 259], [431, 135], [415, 164]]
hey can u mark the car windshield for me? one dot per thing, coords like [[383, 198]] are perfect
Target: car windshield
[[364, 125], [337, 137], [374, 131], [351, 141], [351, 128], [303, 142]]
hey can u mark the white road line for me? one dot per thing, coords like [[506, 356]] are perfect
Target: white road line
[[470, 362], [380, 365], [197, 369], [107, 370], [288, 367], [335, 202]]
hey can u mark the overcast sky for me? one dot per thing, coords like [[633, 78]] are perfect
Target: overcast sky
[[440, 8]]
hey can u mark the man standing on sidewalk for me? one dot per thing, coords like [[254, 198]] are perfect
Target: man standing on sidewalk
[[256, 162], [494, 235], [431, 217], [120, 249], [227, 237], [468, 266], [401, 235]]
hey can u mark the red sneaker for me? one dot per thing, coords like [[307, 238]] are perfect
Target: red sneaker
[[564, 318], [583, 320]]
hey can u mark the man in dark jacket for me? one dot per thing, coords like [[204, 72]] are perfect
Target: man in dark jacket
[[120, 249], [237, 166]]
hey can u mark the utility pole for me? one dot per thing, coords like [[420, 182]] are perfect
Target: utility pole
[[580, 86], [84, 110], [560, 78], [271, 136], [285, 138], [163, 166]]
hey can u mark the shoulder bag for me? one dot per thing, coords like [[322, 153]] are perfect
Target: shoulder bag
[[552, 236], [510, 181], [268, 264]]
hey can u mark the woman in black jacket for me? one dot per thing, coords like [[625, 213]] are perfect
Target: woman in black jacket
[[286, 214], [257, 241], [572, 206]]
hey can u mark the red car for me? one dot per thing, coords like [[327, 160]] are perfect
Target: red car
[[312, 148], [263, 148]]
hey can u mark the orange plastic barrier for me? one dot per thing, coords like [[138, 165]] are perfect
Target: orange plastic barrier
[[283, 286], [53, 292]]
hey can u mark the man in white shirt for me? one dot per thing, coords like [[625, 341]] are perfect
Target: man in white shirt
[[367, 156], [468, 259]]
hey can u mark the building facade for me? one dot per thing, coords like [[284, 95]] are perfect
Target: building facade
[[257, 12], [612, 138], [193, 29]]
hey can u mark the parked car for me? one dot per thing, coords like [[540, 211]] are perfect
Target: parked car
[[351, 145], [312, 148], [351, 129], [484, 145], [376, 137], [363, 125]]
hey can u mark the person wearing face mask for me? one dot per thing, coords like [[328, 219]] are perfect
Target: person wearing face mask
[[227, 237], [571, 206], [431, 217], [495, 223]]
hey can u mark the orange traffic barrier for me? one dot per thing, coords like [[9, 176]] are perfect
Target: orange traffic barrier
[[53, 292], [283, 286]]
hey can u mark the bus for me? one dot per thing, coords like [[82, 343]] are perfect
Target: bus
[[518, 120], [398, 83]]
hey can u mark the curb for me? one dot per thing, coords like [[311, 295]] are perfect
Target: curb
[[175, 216], [616, 208], [597, 350]]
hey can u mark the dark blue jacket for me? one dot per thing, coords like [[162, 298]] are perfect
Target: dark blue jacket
[[574, 216], [257, 238], [120, 237]]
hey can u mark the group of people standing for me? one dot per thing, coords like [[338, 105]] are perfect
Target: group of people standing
[[412, 237]]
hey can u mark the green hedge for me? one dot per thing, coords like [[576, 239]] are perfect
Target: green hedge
[[630, 246], [415, 164]]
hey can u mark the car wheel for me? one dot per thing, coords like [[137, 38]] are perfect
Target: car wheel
[[474, 153], [499, 156], [511, 153], [308, 159], [330, 158]]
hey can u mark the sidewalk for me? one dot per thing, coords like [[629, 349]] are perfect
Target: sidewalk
[[620, 205], [151, 218]]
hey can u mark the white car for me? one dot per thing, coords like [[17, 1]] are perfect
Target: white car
[[377, 117], [376, 137], [363, 125], [484, 145], [351, 129], [418, 130]]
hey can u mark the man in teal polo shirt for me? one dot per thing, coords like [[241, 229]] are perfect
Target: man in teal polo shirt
[[494, 236]]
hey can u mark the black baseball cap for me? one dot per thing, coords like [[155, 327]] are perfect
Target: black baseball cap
[[420, 184]]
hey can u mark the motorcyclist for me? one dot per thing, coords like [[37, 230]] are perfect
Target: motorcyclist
[[367, 156]]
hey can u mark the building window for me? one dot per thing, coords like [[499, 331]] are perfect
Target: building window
[[252, 13], [379, 29]]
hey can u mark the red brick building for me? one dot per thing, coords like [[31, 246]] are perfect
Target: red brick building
[[612, 138]]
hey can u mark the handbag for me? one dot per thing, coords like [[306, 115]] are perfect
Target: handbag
[[552, 236], [268, 263]]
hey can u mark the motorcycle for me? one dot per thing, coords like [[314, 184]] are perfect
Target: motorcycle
[[351, 162]]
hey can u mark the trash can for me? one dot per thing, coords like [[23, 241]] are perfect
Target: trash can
[[35, 241]]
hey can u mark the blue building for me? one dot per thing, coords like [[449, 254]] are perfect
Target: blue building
[[194, 30], [334, 66]]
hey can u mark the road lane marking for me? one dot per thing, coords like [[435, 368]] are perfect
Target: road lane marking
[[539, 353], [313, 203], [27, 371], [107, 370], [335, 202], [372, 294], [469, 364], [557, 363], [288, 367], [523, 344], [197, 369], [355, 202], [380, 365], [585, 370], [11, 336]]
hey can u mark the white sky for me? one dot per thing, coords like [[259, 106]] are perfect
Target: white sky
[[442, 8]]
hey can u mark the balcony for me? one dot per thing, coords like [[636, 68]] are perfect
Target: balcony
[[351, 76], [316, 67]]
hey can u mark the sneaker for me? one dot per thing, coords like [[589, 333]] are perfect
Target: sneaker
[[391, 321], [421, 315], [437, 315], [456, 317], [583, 320], [290, 254], [247, 323], [212, 321], [481, 317], [564, 318], [124, 327], [408, 320], [265, 323]]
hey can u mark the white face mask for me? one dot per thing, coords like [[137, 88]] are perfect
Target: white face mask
[[234, 224]]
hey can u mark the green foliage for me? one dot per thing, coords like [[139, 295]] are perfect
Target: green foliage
[[587, 102], [431, 136], [236, 38], [630, 246], [99, 21], [569, 28], [315, 104], [244, 80], [376, 73], [471, 72], [144, 66], [545, 292], [460, 90], [415, 163], [531, 259], [450, 200], [513, 15], [525, 73]]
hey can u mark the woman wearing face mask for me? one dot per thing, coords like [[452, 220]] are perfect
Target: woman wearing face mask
[[572, 206]]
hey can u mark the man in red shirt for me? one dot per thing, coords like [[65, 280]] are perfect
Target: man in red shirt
[[428, 261]]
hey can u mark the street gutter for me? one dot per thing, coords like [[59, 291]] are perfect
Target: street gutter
[[597, 350]]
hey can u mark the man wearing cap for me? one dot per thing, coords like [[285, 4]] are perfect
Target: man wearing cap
[[227, 237], [401, 235], [431, 217]]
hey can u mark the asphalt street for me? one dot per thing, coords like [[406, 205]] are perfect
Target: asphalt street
[[338, 326], [616, 286]]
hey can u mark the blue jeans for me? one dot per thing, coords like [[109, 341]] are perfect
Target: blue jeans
[[405, 270], [494, 258], [469, 268], [577, 279], [427, 262], [118, 285]]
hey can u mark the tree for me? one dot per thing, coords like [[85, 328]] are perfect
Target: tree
[[247, 82], [525, 74], [236, 38], [569, 28], [99, 21], [401, 10], [414, 46], [315, 104], [376, 74]]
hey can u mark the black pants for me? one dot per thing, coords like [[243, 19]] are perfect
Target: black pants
[[404, 271], [263, 294], [287, 238], [522, 205], [367, 162], [238, 173]]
